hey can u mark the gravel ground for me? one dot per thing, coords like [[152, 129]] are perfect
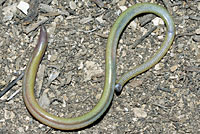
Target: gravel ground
[[164, 99]]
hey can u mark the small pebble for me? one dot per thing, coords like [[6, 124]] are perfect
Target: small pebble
[[157, 21], [9, 114], [139, 112], [72, 5], [198, 5], [2, 82], [80, 4], [53, 76], [123, 8], [98, 96], [133, 25], [159, 66], [126, 109], [196, 38], [44, 101], [197, 31], [27, 118], [174, 77], [51, 95], [58, 19], [92, 69], [90, 46], [173, 68], [23, 6], [41, 125], [180, 48], [54, 2], [21, 129], [46, 8], [136, 83], [160, 37], [53, 57], [172, 54], [122, 2], [2, 120], [8, 12]]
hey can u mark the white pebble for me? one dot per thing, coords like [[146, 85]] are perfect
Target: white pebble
[[44, 101], [198, 5], [23, 6], [197, 31], [123, 8], [133, 25], [157, 21], [158, 66], [126, 109], [72, 5]]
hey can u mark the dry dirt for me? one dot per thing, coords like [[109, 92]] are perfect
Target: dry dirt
[[165, 99]]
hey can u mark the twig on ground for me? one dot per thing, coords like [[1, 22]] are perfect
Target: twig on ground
[[147, 20], [11, 84], [13, 95], [167, 5], [194, 17], [164, 89], [143, 37]]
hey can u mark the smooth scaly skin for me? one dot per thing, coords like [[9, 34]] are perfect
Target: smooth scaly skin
[[107, 95]]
